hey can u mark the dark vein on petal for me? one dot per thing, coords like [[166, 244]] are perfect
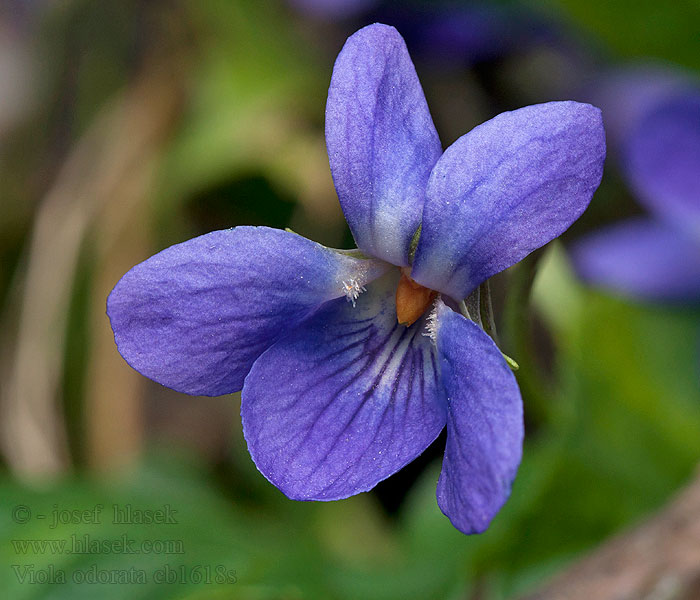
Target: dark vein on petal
[[367, 395], [335, 395]]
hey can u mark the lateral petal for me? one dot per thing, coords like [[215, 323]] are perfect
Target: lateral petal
[[195, 316], [484, 423]]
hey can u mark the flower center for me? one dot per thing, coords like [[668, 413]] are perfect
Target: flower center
[[412, 300]]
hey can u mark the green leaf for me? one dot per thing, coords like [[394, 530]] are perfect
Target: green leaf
[[640, 28]]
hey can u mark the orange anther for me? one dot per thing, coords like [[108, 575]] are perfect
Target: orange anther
[[412, 299]]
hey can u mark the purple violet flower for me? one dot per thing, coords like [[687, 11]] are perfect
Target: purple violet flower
[[333, 9], [626, 94], [337, 394], [466, 32], [654, 258]]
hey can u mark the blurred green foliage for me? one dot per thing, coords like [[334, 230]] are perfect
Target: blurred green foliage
[[623, 436], [641, 28]]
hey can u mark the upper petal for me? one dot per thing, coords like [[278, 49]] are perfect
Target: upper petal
[[195, 316], [641, 259], [381, 141], [484, 423], [662, 161], [506, 188], [344, 401]]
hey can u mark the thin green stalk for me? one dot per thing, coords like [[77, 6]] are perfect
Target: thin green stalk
[[472, 304], [479, 309], [486, 310], [464, 310]]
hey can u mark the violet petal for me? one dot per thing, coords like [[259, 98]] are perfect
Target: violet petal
[[506, 188], [484, 424], [344, 401], [195, 316], [381, 141]]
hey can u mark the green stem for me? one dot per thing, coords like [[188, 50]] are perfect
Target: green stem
[[486, 310], [478, 308], [472, 304], [464, 310]]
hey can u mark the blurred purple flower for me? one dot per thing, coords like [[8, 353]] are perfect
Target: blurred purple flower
[[626, 95], [444, 30], [333, 9], [338, 395], [469, 32], [658, 139]]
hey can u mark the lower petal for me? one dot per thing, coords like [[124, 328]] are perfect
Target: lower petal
[[484, 423], [344, 401], [641, 259]]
